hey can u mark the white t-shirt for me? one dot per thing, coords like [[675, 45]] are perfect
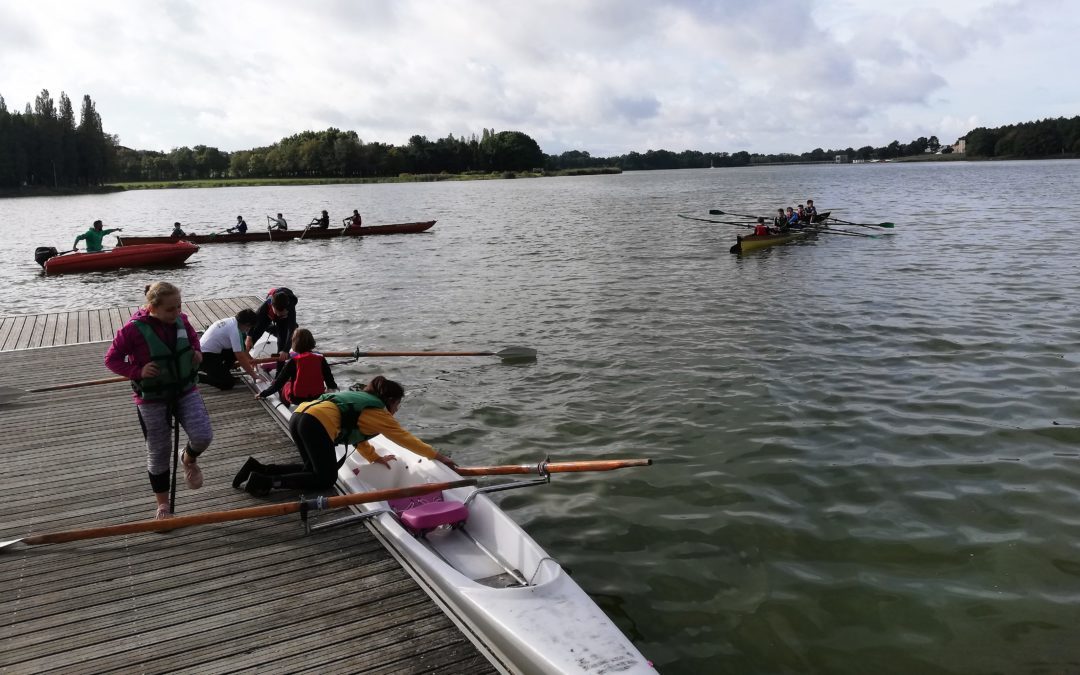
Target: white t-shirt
[[222, 335]]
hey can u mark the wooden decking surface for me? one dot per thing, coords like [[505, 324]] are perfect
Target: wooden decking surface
[[256, 596], [27, 331]]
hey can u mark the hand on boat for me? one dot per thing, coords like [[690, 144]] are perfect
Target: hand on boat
[[150, 370], [447, 461], [196, 358], [385, 460]]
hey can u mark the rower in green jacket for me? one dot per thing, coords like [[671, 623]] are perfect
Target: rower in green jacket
[[93, 237]]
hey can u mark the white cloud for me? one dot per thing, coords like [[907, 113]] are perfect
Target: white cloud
[[607, 76]]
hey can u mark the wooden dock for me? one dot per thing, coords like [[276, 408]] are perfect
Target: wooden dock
[[258, 596]]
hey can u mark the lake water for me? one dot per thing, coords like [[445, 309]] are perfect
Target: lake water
[[866, 450]]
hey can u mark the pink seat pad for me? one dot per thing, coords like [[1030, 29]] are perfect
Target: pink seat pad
[[433, 514]]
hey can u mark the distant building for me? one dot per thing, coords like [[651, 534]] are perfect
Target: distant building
[[841, 159], [960, 146]]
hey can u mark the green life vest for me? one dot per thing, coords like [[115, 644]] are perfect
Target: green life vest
[[351, 404], [176, 367]]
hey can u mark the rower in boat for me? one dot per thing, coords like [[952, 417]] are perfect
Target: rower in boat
[[240, 227], [278, 223], [306, 375], [177, 231], [348, 417], [780, 221], [353, 221], [322, 222], [792, 217], [93, 237], [761, 229], [811, 211]]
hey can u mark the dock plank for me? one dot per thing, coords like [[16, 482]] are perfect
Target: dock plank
[[213, 599]]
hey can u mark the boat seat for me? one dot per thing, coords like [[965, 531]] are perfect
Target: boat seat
[[425, 513]]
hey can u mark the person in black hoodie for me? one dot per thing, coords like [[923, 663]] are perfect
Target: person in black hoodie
[[276, 315]]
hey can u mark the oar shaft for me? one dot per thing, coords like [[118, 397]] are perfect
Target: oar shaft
[[76, 385], [553, 467], [268, 510], [358, 354]]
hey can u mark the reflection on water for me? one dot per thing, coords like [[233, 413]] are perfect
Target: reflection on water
[[866, 449]]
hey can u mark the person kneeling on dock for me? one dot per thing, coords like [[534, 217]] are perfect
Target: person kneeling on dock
[[306, 375], [344, 418], [223, 348], [159, 352]]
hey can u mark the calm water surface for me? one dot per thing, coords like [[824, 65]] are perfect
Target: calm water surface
[[866, 449]]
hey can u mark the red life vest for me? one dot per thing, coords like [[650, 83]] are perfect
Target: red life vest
[[761, 230], [308, 383]]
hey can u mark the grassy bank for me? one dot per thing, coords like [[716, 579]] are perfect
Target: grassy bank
[[402, 178]]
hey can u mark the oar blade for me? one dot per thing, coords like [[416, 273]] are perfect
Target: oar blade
[[885, 225], [517, 354], [11, 545], [715, 212]]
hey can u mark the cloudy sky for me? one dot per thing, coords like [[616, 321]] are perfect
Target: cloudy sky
[[605, 76]]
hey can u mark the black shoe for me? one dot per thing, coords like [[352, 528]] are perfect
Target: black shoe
[[259, 484], [250, 465]]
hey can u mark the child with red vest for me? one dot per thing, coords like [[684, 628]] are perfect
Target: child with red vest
[[159, 352], [306, 375]]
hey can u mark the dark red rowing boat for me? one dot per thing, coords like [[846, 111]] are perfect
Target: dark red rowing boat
[[282, 235]]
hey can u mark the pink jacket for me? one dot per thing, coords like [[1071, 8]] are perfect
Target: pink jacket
[[129, 352]]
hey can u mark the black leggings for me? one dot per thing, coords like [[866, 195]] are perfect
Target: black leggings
[[319, 470], [214, 369]]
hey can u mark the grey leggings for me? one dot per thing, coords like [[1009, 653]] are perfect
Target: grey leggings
[[193, 418]]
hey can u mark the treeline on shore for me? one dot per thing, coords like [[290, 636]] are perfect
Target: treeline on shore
[[43, 147]]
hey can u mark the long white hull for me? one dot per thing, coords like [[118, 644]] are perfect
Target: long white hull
[[517, 599]]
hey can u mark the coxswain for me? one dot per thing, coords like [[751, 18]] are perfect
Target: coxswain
[[761, 229]]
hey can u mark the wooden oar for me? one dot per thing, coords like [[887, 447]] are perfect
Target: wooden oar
[[516, 353], [304, 233], [546, 467], [316, 504], [829, 230], [848, 222], [721, 222], [718, 212]]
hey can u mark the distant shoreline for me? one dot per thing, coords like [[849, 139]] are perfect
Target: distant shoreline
[[39, 191]]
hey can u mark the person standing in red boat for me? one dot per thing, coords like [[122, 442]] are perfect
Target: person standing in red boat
[[93, 237], [159, 352]]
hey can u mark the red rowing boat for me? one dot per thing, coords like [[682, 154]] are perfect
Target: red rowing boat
[[146, 255]]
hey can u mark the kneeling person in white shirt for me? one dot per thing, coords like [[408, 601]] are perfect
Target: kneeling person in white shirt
[[223, 346]]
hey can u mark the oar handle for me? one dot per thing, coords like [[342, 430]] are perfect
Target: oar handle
[[552, 467], [321, 503]]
